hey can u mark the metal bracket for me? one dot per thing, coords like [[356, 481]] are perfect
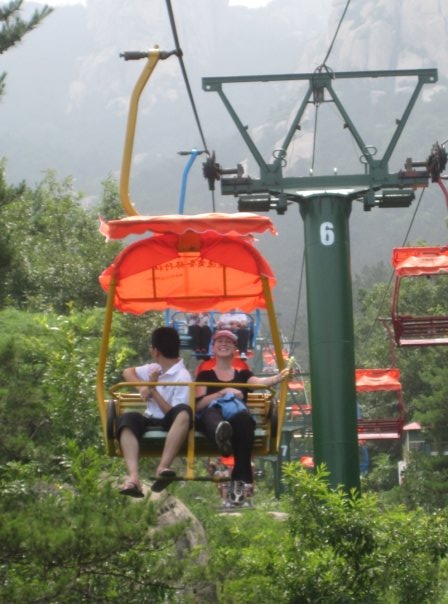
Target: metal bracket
[[376, 175]]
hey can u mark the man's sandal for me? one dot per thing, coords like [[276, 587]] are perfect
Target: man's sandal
[[164, 478], [132, 489]]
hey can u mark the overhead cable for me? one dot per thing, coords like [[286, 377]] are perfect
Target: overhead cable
[[334, 37], [184, 73], [313, 157], [187, 84], [299, 295]]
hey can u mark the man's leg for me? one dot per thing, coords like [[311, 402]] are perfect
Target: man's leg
[[130, 427], [130, 447], [175, 438]]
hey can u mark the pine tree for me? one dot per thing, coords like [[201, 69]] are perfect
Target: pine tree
[[13, 27]]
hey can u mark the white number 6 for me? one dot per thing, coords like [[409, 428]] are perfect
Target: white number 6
[[327, 233]]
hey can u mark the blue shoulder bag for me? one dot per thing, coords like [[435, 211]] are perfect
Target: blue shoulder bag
[[230, 405]]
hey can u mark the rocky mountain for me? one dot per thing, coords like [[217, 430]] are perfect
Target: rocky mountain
[[390, 34], [68, 91]]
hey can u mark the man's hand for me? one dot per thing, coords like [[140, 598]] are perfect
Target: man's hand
[[147, 391]]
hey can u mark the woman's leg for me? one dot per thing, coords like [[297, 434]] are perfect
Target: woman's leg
[[209, 421], [218, 430], [243, 426]]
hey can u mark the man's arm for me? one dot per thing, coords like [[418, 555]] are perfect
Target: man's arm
[[130, 375]]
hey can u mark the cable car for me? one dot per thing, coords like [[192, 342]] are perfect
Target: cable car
[[189, 263], [368, 380], [418, 329], [381, 380]]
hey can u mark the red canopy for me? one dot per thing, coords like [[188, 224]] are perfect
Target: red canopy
[[413, 261], [368, 380], [243, 223], [192, 269]]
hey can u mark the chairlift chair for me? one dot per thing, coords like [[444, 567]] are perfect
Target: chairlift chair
[[381, 380], [417, 329], [190, 263]]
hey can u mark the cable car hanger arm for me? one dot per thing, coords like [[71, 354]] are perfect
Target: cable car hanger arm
[[153, 56]]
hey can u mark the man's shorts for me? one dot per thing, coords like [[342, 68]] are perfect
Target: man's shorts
[[139, 423]]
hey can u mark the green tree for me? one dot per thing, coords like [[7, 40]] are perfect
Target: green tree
[[110, 205], [8, 195], [430, 405], [14, 27], [80, 541], [57, 251], [23, 358], [48, 369], [425, 483], [330, 548]]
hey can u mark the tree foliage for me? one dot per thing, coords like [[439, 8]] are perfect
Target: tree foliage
[[425, 483], [331, 548], [13, 27], [66, 536], [48, 369], [55, 250], [81, 541]]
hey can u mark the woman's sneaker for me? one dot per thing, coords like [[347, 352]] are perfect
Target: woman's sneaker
[[237, 492], [223, 437]]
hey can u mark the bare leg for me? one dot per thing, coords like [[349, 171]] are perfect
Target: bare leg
[[174, 440], [130, 447]]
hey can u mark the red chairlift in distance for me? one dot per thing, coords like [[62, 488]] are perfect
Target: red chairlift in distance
[[411, 329], [381, 380]]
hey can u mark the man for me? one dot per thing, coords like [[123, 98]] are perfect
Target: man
[[167, 408]]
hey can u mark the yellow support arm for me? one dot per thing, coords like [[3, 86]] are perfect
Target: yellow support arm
[[153, 57], [278, 354], [100, 374]]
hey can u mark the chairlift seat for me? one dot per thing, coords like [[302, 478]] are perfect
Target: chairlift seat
[[380, 429], [411, 330], [260, 404]]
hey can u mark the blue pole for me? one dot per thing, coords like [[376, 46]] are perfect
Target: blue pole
[[183, 189]]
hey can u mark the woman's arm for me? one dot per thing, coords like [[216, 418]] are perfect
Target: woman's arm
[[270, 380]]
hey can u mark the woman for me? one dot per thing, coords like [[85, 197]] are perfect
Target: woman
[[237, 433]]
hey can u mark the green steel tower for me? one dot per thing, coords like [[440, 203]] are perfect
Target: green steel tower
[[325, 205]]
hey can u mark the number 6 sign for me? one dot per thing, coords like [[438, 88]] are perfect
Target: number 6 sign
[[327, 233]]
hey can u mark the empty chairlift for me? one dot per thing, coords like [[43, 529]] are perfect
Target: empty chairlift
[[371, 426], [419, 309]]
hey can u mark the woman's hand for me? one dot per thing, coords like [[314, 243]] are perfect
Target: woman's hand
[[283, 375], [237, 393]]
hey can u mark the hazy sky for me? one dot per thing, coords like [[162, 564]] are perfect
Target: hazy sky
[[60, 2], [248, 3]]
